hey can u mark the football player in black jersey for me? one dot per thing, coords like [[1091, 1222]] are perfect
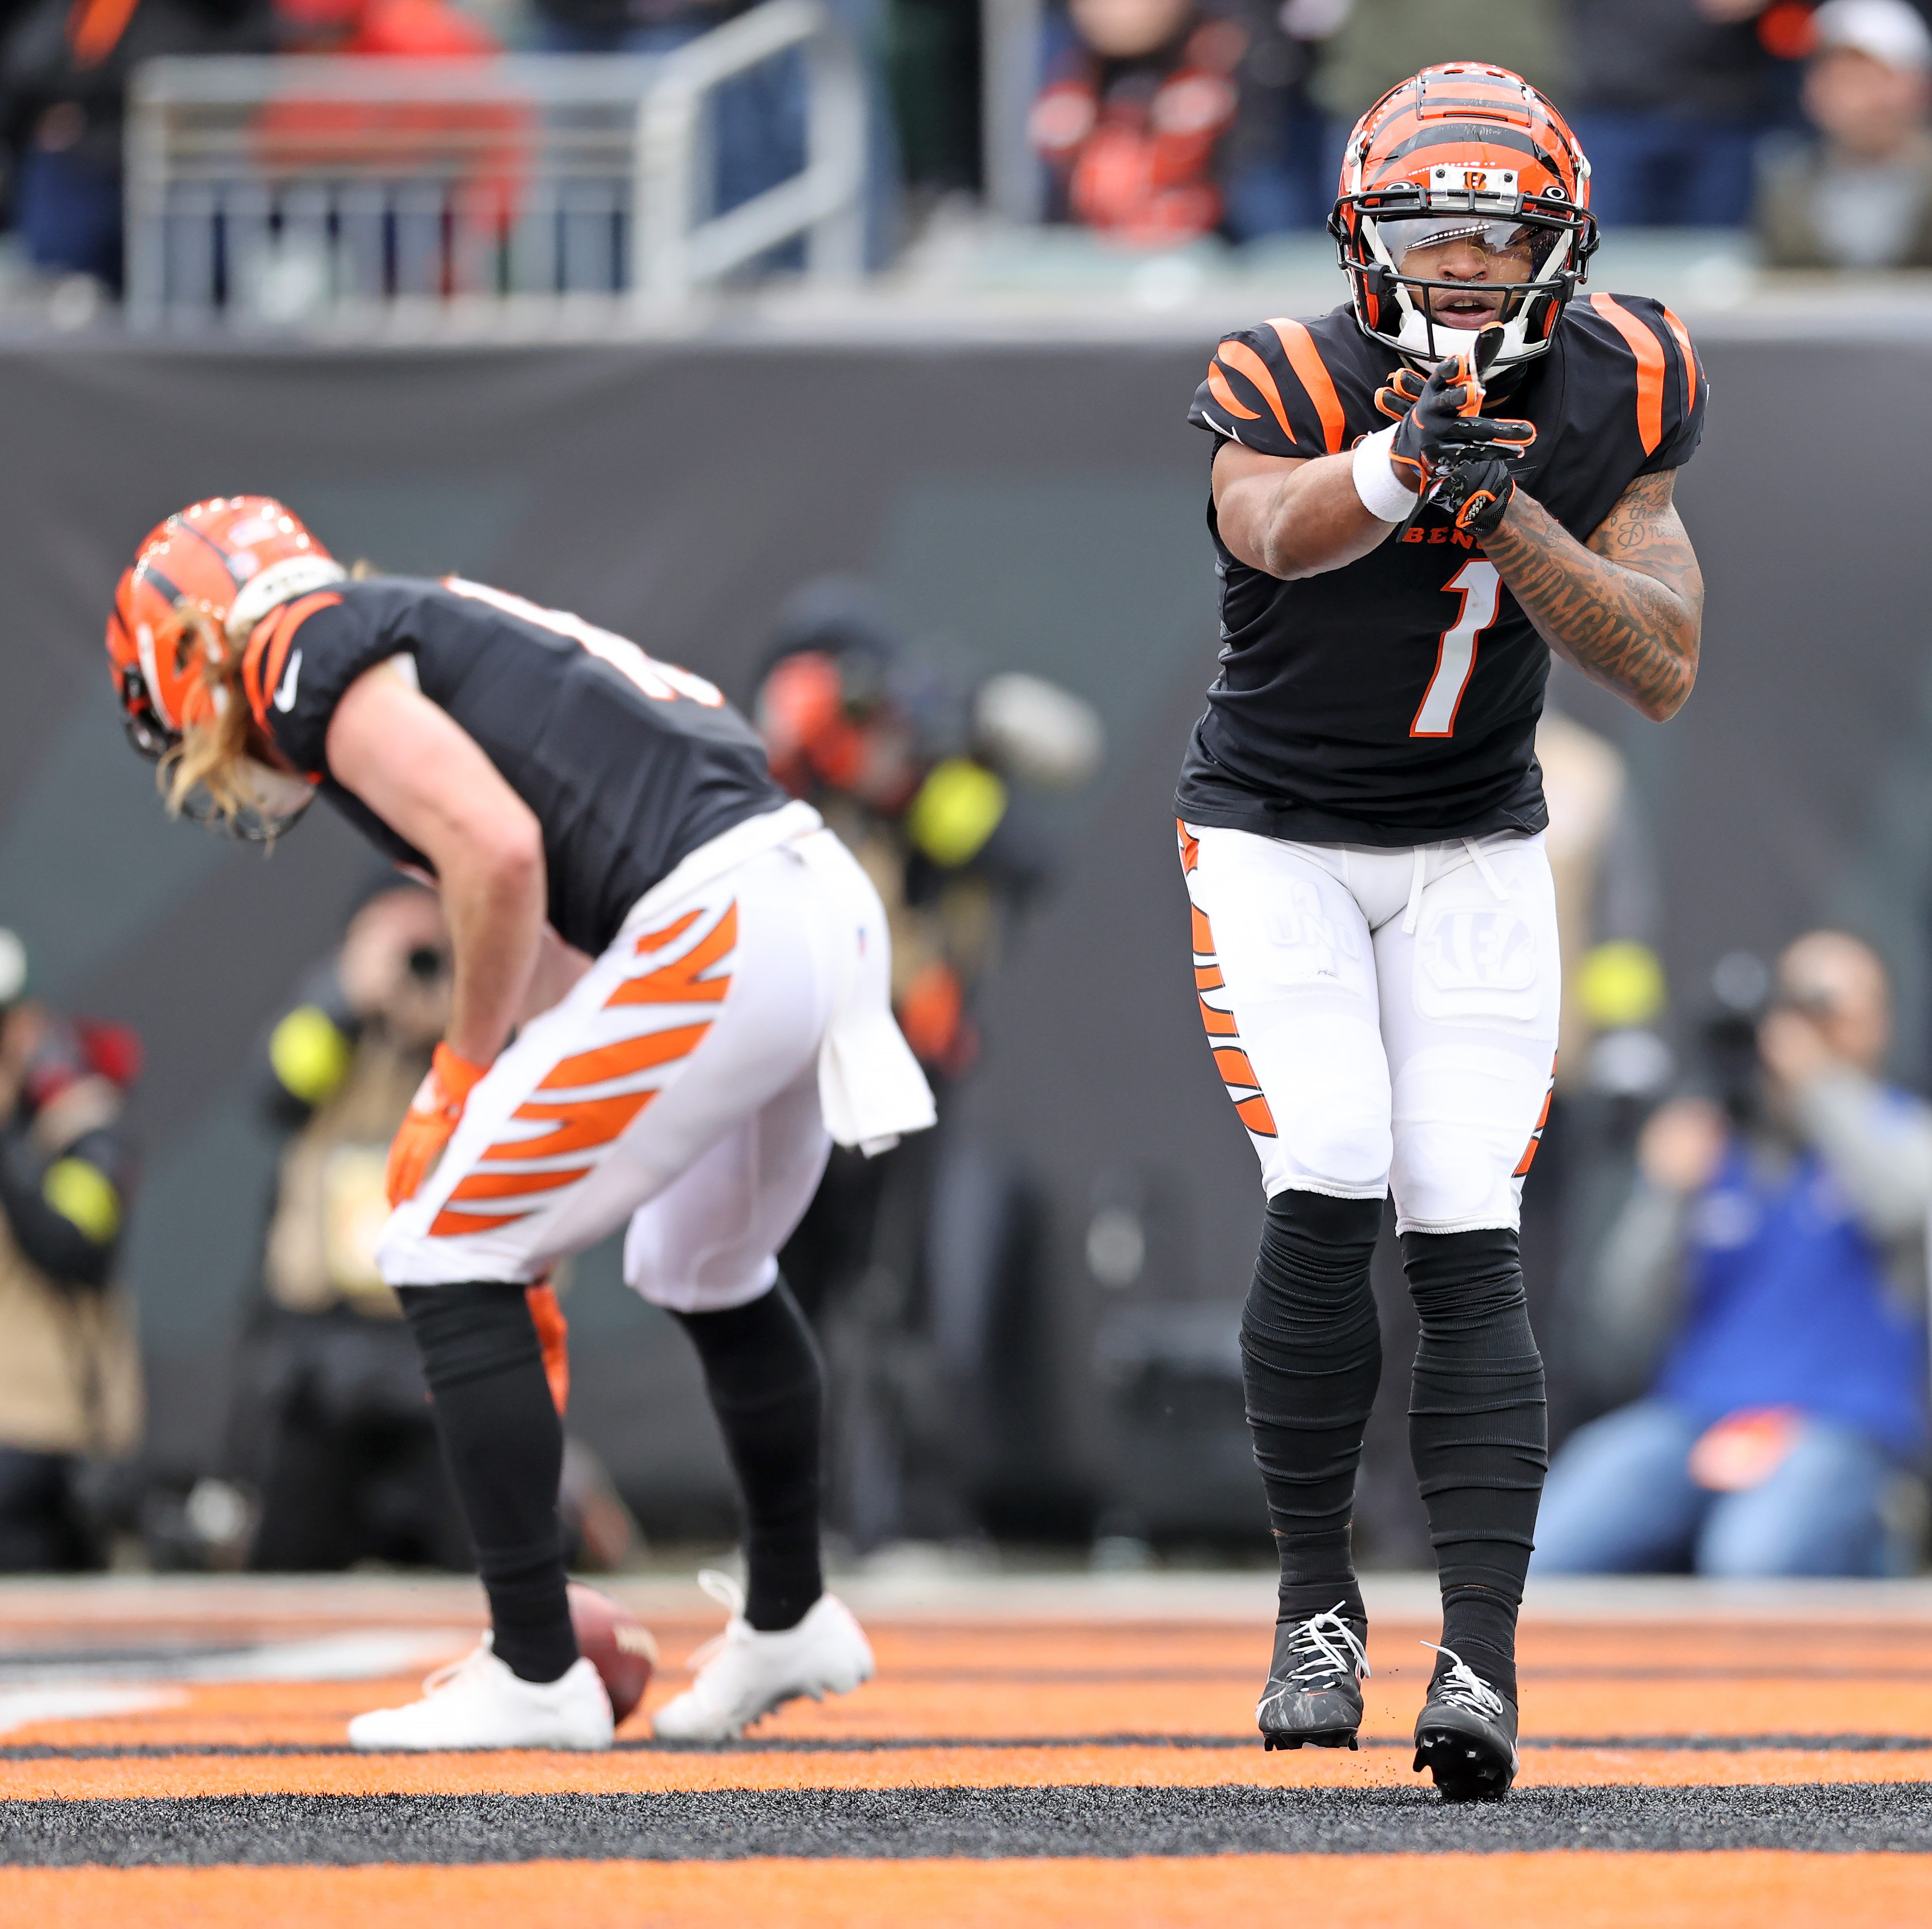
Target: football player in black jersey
[[670, 994], [1415, 499]]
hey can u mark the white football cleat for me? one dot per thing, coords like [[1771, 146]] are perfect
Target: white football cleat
[[477, 1702], [743, 1674]]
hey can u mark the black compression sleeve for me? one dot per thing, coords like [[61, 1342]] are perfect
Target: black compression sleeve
[[767, 1387], [1478, 1433], [1311, 1358], [504, 1443]]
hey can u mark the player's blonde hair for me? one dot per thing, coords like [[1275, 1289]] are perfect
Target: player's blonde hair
[[212, 753]]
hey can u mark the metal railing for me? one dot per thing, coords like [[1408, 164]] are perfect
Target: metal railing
[[320, 190]]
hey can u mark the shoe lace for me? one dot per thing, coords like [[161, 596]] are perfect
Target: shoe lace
[[726, 1593], [1325, 1646], [1463, 1688]]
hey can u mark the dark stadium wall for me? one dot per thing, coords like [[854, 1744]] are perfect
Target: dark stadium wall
[[1035, 506]]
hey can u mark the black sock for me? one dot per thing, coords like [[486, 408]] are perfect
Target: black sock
[[1478, 1433], [1311, 1358], [504, 1442], [762, 1370]]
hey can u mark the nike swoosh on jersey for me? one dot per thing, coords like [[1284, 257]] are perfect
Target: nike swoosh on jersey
[[285, 696]]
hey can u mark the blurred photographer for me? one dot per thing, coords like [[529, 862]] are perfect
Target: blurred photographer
[[901, 1261], [333, 1427], [1772, 1256], [70, 1375]]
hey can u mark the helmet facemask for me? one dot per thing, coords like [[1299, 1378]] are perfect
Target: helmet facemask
[[1391, 225]]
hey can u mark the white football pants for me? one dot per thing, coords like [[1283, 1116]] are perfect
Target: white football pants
[[675, 1086], [1383, 1020]]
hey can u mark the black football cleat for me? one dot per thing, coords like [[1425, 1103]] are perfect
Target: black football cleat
[[1465, 1734], [1314, 1692]]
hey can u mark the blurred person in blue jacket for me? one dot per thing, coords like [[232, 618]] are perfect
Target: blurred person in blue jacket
[[70, 1374], [1772, 1253]]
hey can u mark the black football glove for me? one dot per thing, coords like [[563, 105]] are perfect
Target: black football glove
[[1446, 448]]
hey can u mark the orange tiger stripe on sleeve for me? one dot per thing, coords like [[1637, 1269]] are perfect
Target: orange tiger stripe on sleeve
[[1649, 353], [1239, 357], [1217, 387], [1305, 358]]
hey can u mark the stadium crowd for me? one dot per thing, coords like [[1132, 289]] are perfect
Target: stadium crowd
[[1156, 121]]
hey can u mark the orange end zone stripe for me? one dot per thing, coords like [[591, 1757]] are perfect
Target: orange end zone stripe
[[1649, 353], [1238, 354], [1581, 1889], [1305, 358]]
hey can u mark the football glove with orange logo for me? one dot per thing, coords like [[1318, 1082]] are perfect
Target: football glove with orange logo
[[1446, 448], [432, 1117]]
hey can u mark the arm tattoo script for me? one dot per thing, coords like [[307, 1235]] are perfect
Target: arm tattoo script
[[1627, 608]]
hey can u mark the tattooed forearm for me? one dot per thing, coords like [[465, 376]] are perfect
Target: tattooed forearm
[[1627, 608]]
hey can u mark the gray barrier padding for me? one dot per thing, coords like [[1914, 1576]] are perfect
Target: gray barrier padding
[[1021, 505]]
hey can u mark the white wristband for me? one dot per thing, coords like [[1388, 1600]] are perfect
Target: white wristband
[[1382, 492]]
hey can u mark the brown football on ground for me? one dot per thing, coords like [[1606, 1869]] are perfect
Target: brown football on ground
[[616, 1643]]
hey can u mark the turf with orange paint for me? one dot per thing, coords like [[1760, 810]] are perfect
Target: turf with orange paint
[[1562, 1890]]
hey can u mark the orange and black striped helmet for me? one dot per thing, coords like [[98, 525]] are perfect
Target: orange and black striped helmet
[[1462, 152], [229, 560]]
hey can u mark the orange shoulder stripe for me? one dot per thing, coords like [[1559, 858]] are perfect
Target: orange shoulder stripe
[[268, 648], [1240, 356], [1305, 358], [1217, 387], [1690, 355], [1649, 353]]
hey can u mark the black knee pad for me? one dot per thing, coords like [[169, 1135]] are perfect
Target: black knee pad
[[1461, 1282], [470, 1332], [1313, 1262]]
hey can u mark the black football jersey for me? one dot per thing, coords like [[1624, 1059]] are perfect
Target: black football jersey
[[628, 764], [1395, 700]]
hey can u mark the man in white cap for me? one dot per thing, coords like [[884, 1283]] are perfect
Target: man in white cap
[[1861, 197]]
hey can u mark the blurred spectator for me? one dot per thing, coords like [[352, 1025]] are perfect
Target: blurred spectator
[[1166, 120], [421, 29], [900, 1260], [1861, 197], [63, 69], [332, 1426], [1773, 1252], [70, 1375], [1670, 100], [1373, 44]]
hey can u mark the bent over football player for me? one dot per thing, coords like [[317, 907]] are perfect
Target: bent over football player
[[671, 992], [1415, 499]]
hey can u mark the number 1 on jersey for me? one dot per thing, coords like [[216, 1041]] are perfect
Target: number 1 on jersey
[[1480, 588]]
